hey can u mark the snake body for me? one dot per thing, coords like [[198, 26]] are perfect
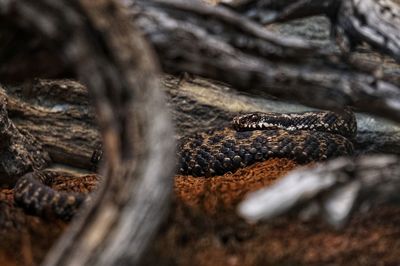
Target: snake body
[[302, 137], [33, 193]]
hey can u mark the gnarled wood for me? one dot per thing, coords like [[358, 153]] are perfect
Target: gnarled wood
[[220, 44], [187, 41], [95, 38], [214, 43], [20, 152], [59, 115]]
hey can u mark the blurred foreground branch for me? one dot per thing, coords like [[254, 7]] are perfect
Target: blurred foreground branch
[[334, 190], [98, 43]]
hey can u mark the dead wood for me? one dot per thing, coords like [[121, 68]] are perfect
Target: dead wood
[[109, 56], [118, 68], [353, 22], [334, 190], [218, 43], [211, 42], [57, 113], [20, 152]]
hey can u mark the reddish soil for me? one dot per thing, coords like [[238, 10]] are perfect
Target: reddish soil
[[212, 194], [25, 239], [203, 228]]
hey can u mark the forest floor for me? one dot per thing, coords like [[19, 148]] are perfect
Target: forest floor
[[204, 229]]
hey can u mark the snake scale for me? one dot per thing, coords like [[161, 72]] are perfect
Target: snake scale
[[302, 137], [33, 193]]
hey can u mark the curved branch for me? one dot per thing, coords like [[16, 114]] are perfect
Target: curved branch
[[96, 39]]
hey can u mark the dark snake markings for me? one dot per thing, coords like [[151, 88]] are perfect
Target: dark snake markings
[[302, 137], [33, 194]]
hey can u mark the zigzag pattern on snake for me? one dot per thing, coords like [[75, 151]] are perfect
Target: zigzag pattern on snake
[[33, 193], [302, 137]]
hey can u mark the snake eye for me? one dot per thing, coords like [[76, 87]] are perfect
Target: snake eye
[[254, 118]]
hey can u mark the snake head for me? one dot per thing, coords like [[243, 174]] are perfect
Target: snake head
[[250, 121]]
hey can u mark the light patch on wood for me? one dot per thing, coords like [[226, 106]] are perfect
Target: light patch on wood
[[100, 229]]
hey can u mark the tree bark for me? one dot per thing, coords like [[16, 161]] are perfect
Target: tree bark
[[118, 68], [218, 43], [211, 42], [110, 57], [58, 113], [373, 22]]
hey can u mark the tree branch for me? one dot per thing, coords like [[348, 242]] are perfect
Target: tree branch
[[218, 43], [334, 189], [110, 57], [192, 42]]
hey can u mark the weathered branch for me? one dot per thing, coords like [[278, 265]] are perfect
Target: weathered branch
[[230, 28], [194, 45], [20, 152], [214, 43], [58, 114], [335, 189], [370, 21], [269, 11], [220, 44], [374, 22], [95, 38]]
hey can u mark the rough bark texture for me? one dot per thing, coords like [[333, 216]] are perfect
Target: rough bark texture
[[20, 151], [197, 45], [216, 43], [59, 114], [220, 44], [374, 22], [116, 64]]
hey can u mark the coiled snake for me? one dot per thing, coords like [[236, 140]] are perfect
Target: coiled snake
[[302, 137]]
